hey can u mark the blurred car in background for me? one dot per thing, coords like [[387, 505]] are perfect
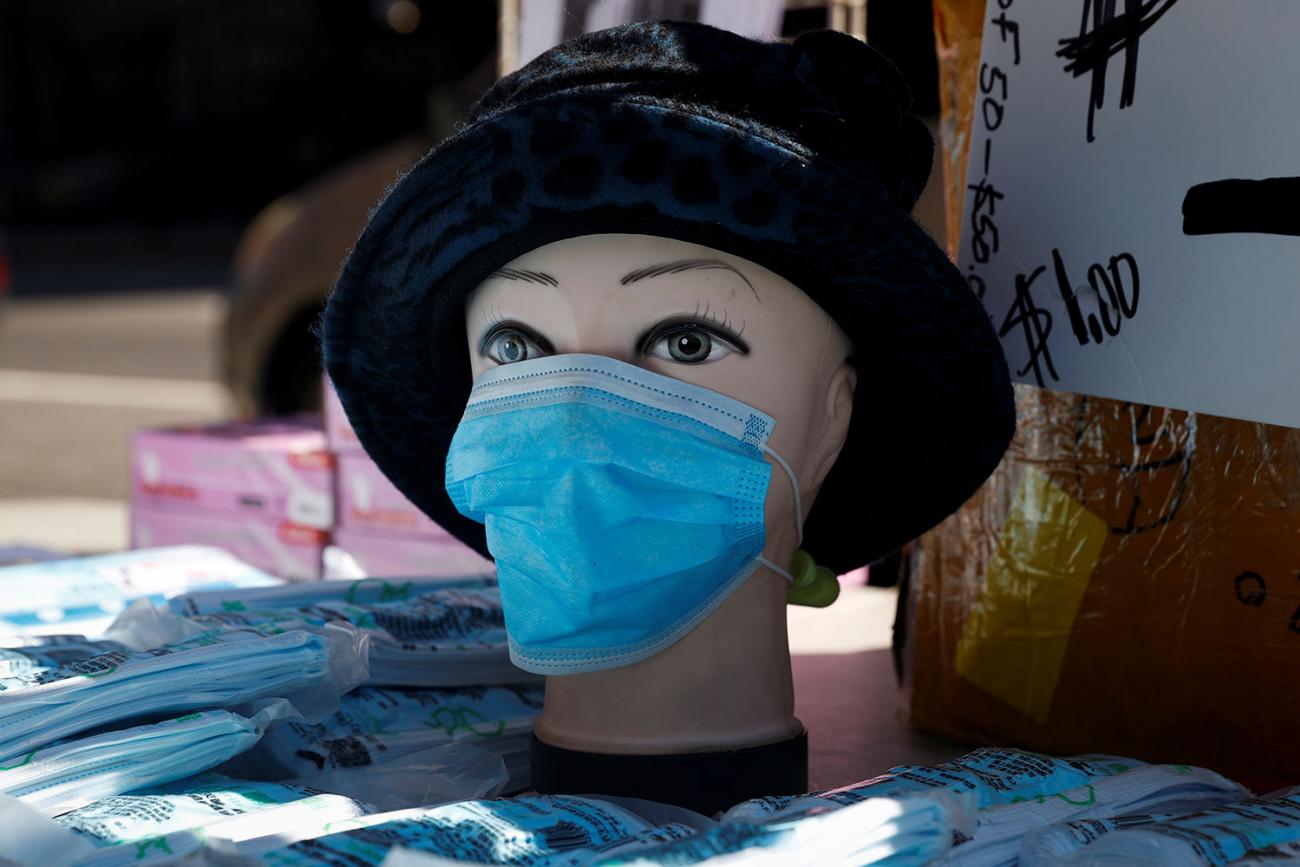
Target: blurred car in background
[[291, 253], [284, 266]]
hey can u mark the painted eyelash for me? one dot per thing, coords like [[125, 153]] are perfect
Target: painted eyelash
[[724, 323]]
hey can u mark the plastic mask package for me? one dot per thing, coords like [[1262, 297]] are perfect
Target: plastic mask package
[[995, 776], [170, 821], [1059, 842], [219, 842], [73, 773], [1285, 853], [909, 830], [563, 831], [84, 594], [1219, 835], [378, 726], [452, 636], [528, 831], [456, 771], [216, 668], [1001, 829], [302, 594], [25, 655]]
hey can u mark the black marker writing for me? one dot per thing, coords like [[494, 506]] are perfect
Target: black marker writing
[[1250, 588], [1266, 206], [1122, 289], [1006, 26], [1035, 324], [984, 231], [984, 204], [1108, 34]]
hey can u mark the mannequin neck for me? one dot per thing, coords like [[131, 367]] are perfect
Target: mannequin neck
[[725, 685]]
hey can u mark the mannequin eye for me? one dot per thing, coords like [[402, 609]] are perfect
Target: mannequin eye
[[508, 343], [688, 343]]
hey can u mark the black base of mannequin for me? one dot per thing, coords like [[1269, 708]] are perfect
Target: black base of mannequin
[[704, 782]]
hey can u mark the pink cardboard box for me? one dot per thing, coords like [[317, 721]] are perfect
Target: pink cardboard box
[[276, 469], [379, 556], [273, 545], [368, 501], [338, 430]]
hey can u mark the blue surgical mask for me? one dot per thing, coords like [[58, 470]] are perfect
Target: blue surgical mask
[[622, 506]]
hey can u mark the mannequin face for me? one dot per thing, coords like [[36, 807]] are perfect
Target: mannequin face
[[686, 311]]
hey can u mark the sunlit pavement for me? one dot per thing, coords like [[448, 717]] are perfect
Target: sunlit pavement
[[77, 375]]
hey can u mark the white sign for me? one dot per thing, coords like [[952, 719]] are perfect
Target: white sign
[[1132, 214], [547, 23]]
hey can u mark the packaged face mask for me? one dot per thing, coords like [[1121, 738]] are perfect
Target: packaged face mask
[[191, 802], [1177, 791], [144, 828], [994, 776], [457, 771], [1000, 833], [274, 826], [529, 831], [33, 840], [622, 506], [1273, 856], [651, 838], [28, 655], [84, 594], [382, 726], [894, 831], [451, 636], [74, 773], [213, 669], [366, 591], [1219, 835], [903, 831]]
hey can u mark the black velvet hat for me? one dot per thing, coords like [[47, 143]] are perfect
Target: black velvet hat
[[800, 157]]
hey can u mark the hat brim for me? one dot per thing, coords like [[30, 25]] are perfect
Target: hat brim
[[933, 410]]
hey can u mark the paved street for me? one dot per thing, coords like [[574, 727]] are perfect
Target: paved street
[[77, 375]]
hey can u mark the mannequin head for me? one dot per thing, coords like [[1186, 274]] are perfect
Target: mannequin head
[[711, 319], [727, 324]]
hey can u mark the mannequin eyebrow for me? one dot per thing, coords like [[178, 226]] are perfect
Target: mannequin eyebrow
[[525, 276], [686, 265], [677, 267]]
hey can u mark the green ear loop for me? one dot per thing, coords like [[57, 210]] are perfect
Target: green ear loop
[[814, 586]]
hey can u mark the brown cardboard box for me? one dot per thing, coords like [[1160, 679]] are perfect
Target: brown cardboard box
[[1128, 582]]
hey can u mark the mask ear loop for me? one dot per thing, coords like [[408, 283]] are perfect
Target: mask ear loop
[[798, 512], [794, 486], [815, 585]]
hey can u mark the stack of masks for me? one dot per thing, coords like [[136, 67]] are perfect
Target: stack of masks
[[991, 807], [375, 726], [433, 634], [102, 724], [85, 594], [169, 821], [71, 773], [1253, 831], [439, 672], [27, 655], [1016, 793], [570, 831]]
